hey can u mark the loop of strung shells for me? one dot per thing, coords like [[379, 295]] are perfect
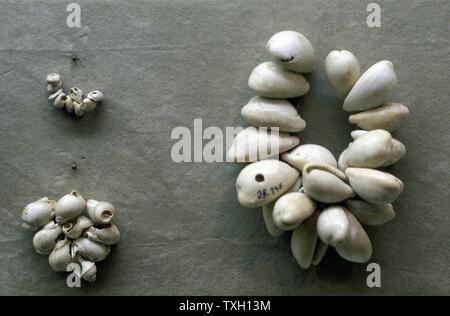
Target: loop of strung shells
[[74, 101], [69, 237], [323, 201]]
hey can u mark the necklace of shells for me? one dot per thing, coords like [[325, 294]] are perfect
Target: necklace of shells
[[303, 188]]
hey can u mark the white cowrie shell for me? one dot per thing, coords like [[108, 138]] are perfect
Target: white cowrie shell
[[357, 246], [264, 181], [333, 225], [45, 240], [76, 94], [53, 96], [273, 230], [107, 236], [271, 80], [321, 250], [89, 105], [96, 96], [388, 117], [265, 112], [60, 257], [370, 214], [398, 150], [370, 150], [342, 69], [373, 88], [252, 144], [304, 242], [53, 78], [38, 214], [292, 50], [60, 100], [374, 186], [101, 213], [292, 209], [54, 82], [304, 154], [69, 206], [79, 108], [75, 227], [91, 250], [325, 183]]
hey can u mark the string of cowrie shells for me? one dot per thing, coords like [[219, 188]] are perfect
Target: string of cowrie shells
[[323, 202], [67, 236], [75, 100]]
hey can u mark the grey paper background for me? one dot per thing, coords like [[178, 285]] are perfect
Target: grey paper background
[[163, 63]]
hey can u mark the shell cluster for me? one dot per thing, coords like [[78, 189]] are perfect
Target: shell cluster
[[68, 236], [303, 188], [74, 101]]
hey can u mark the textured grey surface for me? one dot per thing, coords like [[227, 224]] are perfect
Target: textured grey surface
[[163, 63]]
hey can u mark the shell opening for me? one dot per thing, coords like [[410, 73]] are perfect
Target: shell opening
[[69, 226], [106, 214]]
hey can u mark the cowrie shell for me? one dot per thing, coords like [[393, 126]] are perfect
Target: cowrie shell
[[333, 225], [325, 183], [388, 117], [292, 50], [371, 150], [273, 230], [53, 79], [373, 88], [91, 250], [264, 181], [398, 151], [108, 235], [38, 214], [60, 257], [96, 96], [45, 240], [75, 227], [267, 112], [357, 246], [102, 213], [76, 94], [292, 209], [69, 206], [271, 80], [374, 186], [342, 70]]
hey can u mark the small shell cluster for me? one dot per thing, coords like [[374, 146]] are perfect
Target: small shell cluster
[[67, 236], [321, 200], [74, 101]]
